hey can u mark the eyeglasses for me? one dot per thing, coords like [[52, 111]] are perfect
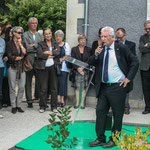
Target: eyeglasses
[[120, 38], [147, 29], [34, 23], [19, 32]]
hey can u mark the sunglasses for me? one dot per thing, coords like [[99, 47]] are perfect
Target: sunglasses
[[19, 32], [147, 29]]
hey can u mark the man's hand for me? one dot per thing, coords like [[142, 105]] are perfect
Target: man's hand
[[98, 50], [124, 82]]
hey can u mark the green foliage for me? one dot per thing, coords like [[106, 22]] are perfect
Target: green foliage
[[136, 142], [59, 122], [50, 13]]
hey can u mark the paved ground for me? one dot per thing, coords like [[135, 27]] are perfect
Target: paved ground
[[15, 128]]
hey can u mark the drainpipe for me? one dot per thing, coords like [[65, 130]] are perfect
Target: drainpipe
[[86, 17]]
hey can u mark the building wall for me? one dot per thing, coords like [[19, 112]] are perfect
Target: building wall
[[129, 14]]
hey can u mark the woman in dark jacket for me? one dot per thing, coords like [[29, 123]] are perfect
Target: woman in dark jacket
[[48, 54], [81, 52], [16, 51]]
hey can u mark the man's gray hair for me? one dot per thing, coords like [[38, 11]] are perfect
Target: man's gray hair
[[110, 29], [32, 18], [59, 32], [146, 22]]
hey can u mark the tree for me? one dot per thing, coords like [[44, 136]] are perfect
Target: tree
[[50, 13]]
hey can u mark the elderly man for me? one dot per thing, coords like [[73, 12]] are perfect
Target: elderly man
[[121, 38], [144, 46], [116, 67], [31, 38]]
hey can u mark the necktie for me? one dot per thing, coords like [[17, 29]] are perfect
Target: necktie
[[105, 71]]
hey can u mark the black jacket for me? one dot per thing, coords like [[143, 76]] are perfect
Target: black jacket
[[42, 58], [128, 63]]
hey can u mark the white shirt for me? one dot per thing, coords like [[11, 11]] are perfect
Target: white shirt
[[114, 72]]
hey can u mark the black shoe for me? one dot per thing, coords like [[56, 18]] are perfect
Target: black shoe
[[14, 110], [75, 107], [58, 104], [30, 105], [109, 144], [145, 112], [20, 109], [127, 111], [62, 105], [82, 107], [97, 143], [54, 109], [4, 105]]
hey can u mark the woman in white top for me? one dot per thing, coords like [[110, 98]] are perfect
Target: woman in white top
[[65, 51]]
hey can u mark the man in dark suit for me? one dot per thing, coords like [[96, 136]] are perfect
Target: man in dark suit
[[116, 67], [121, 38], [144, 46]]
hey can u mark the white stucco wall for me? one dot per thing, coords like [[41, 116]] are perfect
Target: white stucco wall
[[75, 10], [148, 9]]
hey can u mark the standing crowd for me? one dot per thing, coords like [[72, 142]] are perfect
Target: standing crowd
[[113, 56], [50, 69]]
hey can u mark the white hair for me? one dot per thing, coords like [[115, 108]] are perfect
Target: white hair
[[109, 29], [59, 32], [32, 18]]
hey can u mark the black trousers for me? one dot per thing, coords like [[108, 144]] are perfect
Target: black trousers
[[48, 77], [28, 85], [145, 76], [5, 91], [110, 96]]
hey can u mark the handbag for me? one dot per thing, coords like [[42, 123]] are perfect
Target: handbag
[[27, 64], [58, 67]]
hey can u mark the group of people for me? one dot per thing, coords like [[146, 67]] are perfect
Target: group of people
[[45, 54], [115, 61]]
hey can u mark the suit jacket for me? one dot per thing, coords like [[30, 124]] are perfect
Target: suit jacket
[[145, 52], [42, 58], [128, 63], [28, 39], [131, 46]]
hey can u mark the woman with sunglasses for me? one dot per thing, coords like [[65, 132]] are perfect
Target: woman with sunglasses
[[16, 51]]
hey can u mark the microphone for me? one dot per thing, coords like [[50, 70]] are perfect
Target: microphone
[[96, 55]]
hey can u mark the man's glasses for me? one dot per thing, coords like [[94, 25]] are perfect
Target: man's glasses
[[19, 32], [147, 29], [120, 38], [34, 23]]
